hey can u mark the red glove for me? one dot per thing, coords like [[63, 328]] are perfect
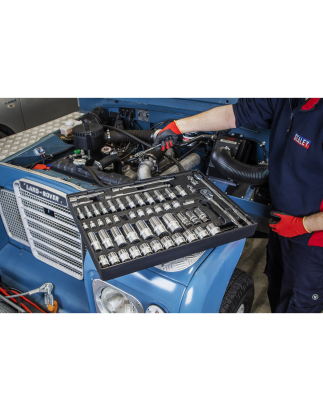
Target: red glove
[[168, 136], [288, 226]]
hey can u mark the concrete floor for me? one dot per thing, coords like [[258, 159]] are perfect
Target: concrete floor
[[253, 261]]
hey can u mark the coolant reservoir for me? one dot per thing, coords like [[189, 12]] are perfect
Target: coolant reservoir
[[67, 127]]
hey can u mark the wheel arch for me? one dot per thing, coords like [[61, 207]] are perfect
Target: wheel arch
[[206, 289], [6, 130]]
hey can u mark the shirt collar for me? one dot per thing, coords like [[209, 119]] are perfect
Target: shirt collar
[[310, 104]]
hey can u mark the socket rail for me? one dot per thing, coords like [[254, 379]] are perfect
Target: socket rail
[[133, 227]]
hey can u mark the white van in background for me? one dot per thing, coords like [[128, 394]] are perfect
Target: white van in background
[[19, 114]]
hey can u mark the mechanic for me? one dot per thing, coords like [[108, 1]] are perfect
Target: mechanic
[[294, 252]]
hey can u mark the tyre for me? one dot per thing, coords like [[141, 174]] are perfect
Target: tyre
[[238, 297], [5, 131]]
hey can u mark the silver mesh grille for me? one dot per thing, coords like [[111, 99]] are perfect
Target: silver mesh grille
[[54, 239], [11, 217]]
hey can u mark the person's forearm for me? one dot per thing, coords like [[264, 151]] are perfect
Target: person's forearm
[[314, 222], [219, 118]]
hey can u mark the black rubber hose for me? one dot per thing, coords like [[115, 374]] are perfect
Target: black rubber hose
[[204, 137], [235, 170], [107, 160], [117, 135], [113, 179], [93, 175]]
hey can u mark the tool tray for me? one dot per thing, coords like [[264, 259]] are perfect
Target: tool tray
[[228, 230]]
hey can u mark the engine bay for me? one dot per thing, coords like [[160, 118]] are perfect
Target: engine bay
[[106, 148]]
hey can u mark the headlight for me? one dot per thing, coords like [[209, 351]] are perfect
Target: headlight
[[109, 299], [115, 302]]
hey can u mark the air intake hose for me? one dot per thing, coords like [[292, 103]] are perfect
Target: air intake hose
[[235, 170], [116, 136], [106, 161]]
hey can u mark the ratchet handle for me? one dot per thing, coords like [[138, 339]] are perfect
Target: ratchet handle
[[224, 211], [240, 215], [236, 222]]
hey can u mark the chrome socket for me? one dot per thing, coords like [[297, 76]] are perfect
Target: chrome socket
[[144, 231], [145, 249], [103, 208], [100, 222], [176, 204], [190, 236], [95, 210], [111, 206], [184, 220], [193, 219], [149, 211], [156, 246], [139, 200], [132, 215], [118, 237], [88, 212], [95, 244], [201, 232], [85, 226], [192, 189], [201, 215], [188, 202], [116, 219], [167, 207], [108, 220], [81, 216], [130, 234], [148, 198], [170, 194], [192, 180], [157, 226], [134, 252], [159, 196], [167, 242], [105, 239], [171, 223], [113, 258], [121, 206], [158, 209], [104, 262], [92, 224], [130, 203], [180, 191], [212, 229], [140, 213], [178, 239], [123, 255]]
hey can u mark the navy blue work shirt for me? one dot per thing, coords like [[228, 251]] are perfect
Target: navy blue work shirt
[[296, 153]]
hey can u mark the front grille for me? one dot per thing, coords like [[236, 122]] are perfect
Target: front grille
[[11, 217], [53, 238]]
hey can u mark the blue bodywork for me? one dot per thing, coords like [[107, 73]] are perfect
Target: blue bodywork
[[199, 288]]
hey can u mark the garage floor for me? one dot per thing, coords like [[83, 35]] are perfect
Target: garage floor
[[253, 261]]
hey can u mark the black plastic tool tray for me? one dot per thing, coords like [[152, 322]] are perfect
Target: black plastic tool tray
[[229, 231]]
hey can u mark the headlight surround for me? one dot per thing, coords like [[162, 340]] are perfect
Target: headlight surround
[[110, 299]]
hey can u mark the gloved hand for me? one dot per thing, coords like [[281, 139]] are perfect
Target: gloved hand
[[168, 136], [287, 225]]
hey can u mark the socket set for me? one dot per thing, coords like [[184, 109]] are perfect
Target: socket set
[[141, 224]]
